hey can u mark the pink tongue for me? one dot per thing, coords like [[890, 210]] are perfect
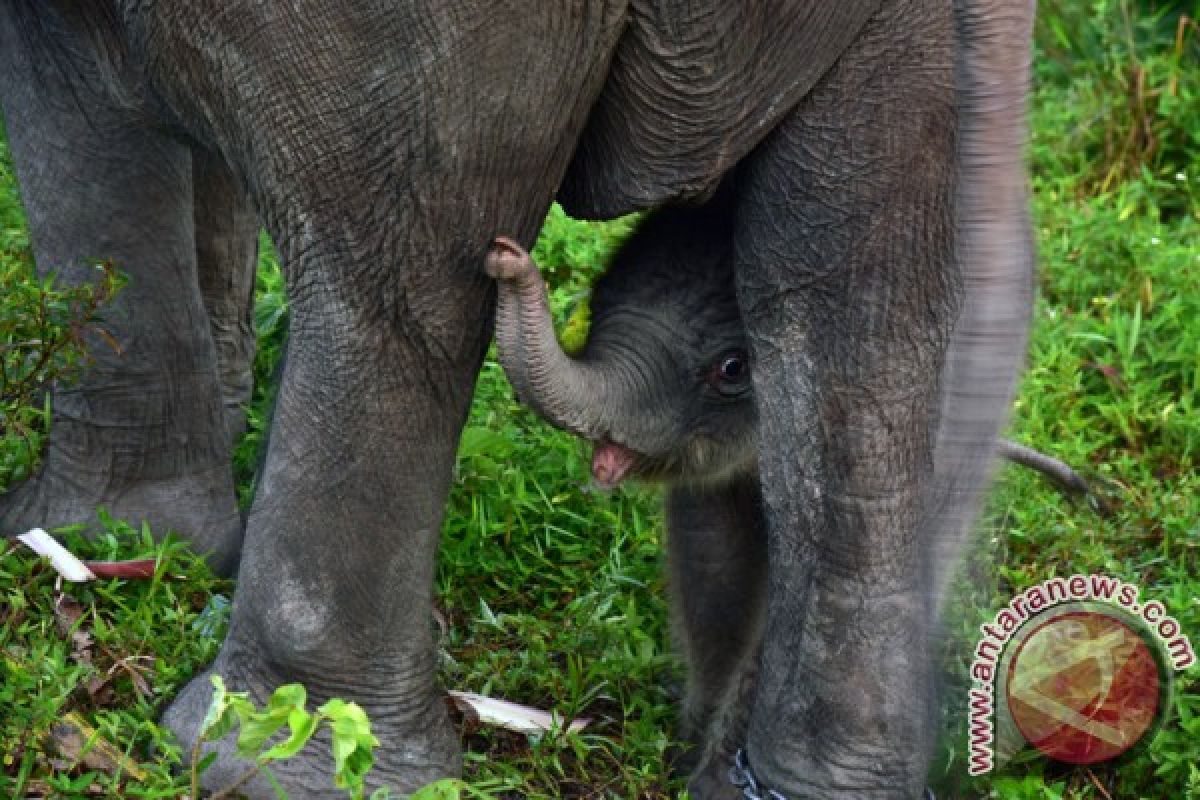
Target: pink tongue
[[611, 463]]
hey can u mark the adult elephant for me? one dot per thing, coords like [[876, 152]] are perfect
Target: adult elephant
[[882, 259]]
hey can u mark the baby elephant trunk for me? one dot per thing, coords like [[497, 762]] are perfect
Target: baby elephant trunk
[[569, 393]]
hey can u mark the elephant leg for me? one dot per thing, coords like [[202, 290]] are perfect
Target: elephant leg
[[726, 734], [850, 281], [718, 564], [226, 255], [142, 431], [335, 584], [390, 147]]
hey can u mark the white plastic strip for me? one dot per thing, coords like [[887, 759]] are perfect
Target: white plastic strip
[[67, 565]]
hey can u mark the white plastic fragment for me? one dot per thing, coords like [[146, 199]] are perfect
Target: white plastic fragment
[[67, 565], [513, 716]]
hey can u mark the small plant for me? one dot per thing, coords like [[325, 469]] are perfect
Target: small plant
[[352, 740], [572, 252], [348, 724], [1131, 69], [84, 667], [43, 333]]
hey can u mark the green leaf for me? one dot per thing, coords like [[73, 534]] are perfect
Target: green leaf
[[224, 711], [352, 744], [257, 727], [206, 762], [345, 742], [477, 441], [289, 696], [448, 789], [575, 332], [301, 725], [216, 707]]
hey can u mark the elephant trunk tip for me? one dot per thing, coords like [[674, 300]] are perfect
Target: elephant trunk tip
[[508, 261]]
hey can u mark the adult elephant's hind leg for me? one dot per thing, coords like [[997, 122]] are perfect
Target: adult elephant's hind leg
[[226, 255], [142, 431], [848, 280]]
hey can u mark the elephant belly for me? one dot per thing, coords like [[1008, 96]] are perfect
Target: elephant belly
[[692, 89]]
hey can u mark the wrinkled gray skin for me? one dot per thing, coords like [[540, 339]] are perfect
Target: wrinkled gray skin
[[669, 356], [663, 381], [882, 261]]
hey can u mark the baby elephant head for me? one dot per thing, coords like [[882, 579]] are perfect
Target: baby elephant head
[[662, 385]]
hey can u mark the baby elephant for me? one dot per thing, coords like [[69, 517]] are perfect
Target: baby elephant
[[662, 387]]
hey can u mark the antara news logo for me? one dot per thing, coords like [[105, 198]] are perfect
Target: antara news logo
[[1078, 667]]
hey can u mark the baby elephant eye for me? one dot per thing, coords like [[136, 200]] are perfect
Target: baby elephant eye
[[731, 372], [733, 369]]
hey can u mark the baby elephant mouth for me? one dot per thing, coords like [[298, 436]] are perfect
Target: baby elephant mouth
[[611, 463]]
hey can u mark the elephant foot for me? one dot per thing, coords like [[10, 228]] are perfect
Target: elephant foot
[[711, 782], [708, 767], [414, 749], [200, 507]]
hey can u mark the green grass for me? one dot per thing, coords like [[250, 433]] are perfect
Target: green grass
[[553, 594], [1114, 366], [111, 650]]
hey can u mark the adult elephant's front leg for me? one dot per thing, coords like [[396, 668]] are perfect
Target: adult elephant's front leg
[[334, 589], [387, 147], [850, 285]]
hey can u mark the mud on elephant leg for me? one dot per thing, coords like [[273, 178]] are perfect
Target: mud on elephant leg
[[226, 256], [142, 432]]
